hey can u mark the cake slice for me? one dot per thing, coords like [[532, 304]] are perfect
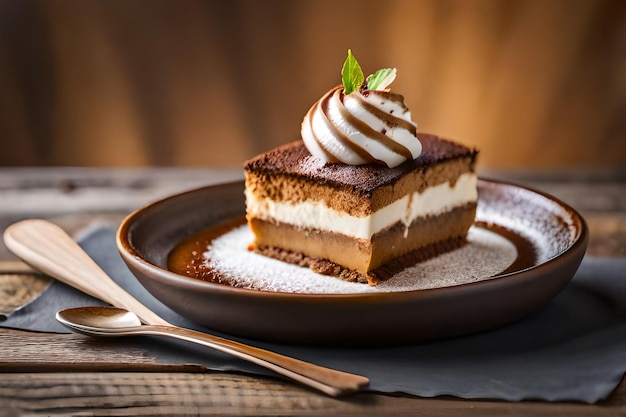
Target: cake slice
[[362, 196], [360, 223]]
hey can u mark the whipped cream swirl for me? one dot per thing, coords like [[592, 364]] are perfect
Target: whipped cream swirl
[[362, 127]]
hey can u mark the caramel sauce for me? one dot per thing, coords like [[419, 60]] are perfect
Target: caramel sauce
[[526, 252], [187, 257]]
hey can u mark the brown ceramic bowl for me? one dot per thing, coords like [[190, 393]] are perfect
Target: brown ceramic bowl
[[147, 236]]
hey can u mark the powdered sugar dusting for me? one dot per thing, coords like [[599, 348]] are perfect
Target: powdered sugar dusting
[[548, 225], [485, 255]]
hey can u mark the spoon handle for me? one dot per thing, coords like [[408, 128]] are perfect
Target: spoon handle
[[329, 381], [46, 247]]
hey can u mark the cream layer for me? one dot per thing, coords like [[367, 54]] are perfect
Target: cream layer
[[316, 215]]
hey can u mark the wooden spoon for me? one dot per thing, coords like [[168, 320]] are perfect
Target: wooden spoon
[[46, 247]]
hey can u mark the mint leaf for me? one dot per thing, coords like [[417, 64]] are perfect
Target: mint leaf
[[381, 79], [351, 74]]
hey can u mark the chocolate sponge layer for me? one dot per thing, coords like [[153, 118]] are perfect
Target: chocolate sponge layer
[[289, 173]]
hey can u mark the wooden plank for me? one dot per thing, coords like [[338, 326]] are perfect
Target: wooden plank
[[212, 394], [51, 379], [21, 351]]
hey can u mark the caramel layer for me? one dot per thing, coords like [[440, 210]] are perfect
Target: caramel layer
[[362, 256]]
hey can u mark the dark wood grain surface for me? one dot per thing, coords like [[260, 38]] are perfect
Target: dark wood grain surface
[[70, 375]]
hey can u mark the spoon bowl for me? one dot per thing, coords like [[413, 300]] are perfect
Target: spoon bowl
[[100, 319]]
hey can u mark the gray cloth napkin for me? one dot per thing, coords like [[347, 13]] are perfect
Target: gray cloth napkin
[[574, 349]]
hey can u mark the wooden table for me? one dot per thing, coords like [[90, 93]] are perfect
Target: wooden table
[[51, 374]]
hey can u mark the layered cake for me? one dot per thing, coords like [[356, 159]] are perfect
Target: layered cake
[[362, 195]]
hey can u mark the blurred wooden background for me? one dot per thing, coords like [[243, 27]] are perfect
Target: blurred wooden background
[[533, 83]]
